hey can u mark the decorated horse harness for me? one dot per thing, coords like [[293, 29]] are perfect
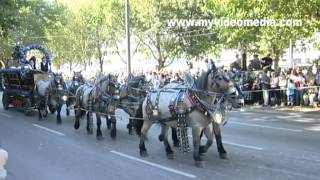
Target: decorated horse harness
[[179, 110]]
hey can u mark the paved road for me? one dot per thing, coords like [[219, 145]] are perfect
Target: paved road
[[260, 145]]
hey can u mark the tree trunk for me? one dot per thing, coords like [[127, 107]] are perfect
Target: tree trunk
[[276, 61], [84, 64], [160, 59], [276, 58], [99, 51], [100, 59], [70, 66], [244, 61]]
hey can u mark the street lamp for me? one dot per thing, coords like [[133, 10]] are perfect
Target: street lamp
[[127, 8]]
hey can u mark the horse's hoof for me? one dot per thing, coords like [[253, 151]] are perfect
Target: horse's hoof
[[223, 155], [99, 137], [144, 154], [76, 125], [130, 132], [108, 127], [202, 149], [170, 155], [199, 164], [59, 122], [161, 137]]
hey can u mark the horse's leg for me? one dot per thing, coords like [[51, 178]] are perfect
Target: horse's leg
[[174, 137], [129, 126], [59, 106], [67, 107], [77, 114], [196, 146], [99, 133], [217, 133], [89, 122], [144, 131], [113, 132], [40, 109], [164, 132], [208, 133], [39, 113], [108, 121]]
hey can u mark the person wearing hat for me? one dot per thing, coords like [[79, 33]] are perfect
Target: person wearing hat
[[267, 62], [32, 62], [44, 65], [255, 63]]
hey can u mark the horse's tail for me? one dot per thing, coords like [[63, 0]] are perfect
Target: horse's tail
[[138, 123]]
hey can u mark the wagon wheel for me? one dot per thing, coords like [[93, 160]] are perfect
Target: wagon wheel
[[27, 107], [5, 100]]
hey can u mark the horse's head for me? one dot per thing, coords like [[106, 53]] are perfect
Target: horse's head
[[215, 80], [77, 79], [108, 85], [59, 85], [230, 88], [109, 92]]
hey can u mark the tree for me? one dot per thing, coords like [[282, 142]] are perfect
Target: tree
[[164, 43]]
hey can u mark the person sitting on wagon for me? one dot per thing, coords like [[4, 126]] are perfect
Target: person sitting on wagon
[[44, 65], [32, 62]]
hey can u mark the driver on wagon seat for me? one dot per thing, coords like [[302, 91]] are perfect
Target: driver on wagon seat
[[44, 65]]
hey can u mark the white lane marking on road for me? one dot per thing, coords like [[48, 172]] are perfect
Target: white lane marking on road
[[49, 130], [244, 146], [240, 145], [155, 165], [5, 115], [269, 127]]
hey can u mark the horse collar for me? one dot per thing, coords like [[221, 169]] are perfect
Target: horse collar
[[196, 103]]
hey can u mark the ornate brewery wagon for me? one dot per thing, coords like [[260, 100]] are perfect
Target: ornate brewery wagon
[[19, 82], [19, 88]]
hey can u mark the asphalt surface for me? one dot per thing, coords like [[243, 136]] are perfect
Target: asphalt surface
[[260, 145]]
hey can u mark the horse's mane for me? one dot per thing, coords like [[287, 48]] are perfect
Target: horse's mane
[[202, 81]]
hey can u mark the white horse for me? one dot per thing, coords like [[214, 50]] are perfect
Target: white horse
[[180, 106], [98, 98], [51, 93]]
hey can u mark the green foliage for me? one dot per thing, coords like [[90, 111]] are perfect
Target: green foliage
[[79, 31]]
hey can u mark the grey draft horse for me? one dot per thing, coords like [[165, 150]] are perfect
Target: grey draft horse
[[99, 98], [52, 94], [72, 86], [196, 105]]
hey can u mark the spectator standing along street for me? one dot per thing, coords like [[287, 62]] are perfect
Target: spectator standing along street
[[265, 84], [266, 63]]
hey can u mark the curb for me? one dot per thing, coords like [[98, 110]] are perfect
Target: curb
[[281, 110]]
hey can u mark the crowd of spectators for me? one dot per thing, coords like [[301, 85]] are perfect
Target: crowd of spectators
[[260, 82], [265, 86]]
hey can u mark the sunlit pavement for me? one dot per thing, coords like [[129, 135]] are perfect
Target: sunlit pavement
[[260, 145]]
